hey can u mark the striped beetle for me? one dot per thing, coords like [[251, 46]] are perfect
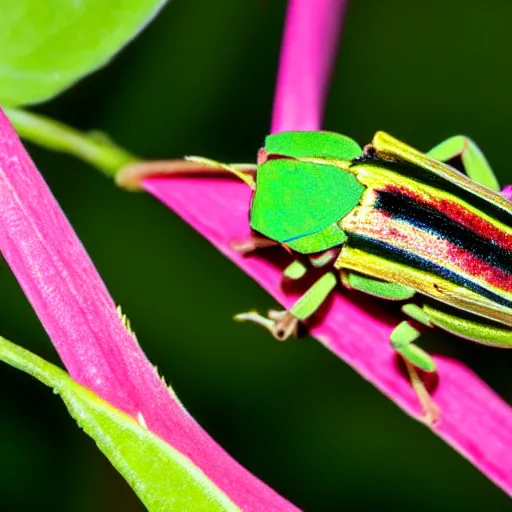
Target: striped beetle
[[392, 222]]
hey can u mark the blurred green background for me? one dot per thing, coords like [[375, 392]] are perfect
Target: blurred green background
[[200, 80]]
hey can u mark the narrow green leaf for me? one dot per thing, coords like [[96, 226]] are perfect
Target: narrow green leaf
[[45, 46], [163, 478]]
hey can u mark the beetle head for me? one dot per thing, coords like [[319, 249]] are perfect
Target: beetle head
[[299, 202]]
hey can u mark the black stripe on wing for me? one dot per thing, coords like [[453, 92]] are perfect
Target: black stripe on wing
[[395, 254]]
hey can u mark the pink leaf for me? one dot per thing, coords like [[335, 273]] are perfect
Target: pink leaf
[[475, 420], [78, 313]]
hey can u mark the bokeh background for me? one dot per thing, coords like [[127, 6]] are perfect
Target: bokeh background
[[200, 80]]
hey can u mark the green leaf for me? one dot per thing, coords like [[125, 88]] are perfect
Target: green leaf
[[163, 478], [45, 46]]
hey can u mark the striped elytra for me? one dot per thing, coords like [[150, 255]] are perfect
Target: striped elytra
[[424, 230]]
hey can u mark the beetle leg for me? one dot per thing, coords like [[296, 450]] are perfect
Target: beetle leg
[[473, 160], [404, 335], [322, 259], [376, 287], [252, 243], [417, 313], [430, 408], [295, 270], [402, 339], [283, 324], [286, 324], [254, 317], [471, 328]]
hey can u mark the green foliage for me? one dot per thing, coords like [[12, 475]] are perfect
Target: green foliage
[[162, 477], [47, 46]]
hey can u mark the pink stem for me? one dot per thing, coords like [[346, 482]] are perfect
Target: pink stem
[[75, 308], [307, 55], [507, 192]]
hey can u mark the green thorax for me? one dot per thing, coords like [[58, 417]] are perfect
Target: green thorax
[[300, 203]]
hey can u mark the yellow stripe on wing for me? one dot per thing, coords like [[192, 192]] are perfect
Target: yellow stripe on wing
[[429, 284]]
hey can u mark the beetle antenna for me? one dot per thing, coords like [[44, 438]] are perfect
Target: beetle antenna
[[238, 171]]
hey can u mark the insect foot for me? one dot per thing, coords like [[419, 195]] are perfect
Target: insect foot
[[432, 412], [285, 324], [281, 324]]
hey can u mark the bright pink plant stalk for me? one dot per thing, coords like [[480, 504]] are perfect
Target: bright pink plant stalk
[[78, 313], [308, 50], [475, 420]]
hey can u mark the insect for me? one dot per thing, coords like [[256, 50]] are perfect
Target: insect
[[392, 222]]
